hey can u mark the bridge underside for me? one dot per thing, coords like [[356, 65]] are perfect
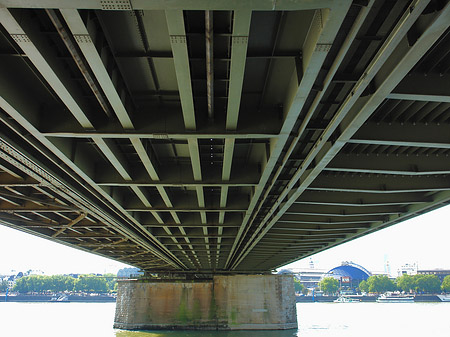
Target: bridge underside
[[215, 136]]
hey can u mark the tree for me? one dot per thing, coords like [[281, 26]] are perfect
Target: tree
[[329, 285], [111, 280], [446, 284], [3, 286], [61, 283], [91, 283], [298, 286], [405, 283], [363, 287], [22, 285], [380, 284], [35, 283], [427, 283]]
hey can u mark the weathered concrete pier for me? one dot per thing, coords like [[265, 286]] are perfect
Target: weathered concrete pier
[[238, 302]]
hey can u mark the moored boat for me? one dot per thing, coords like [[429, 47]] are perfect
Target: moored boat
[[444, 298], [392, 298], [346, 299], [60, 298]]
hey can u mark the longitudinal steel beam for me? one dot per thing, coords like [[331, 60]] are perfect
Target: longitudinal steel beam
[[342, 214], [330, 198], [39, 61], [317, 44], [392, 142], [380, 184], [430, 135], [239, 43], [352, 115], [404, 165], [310, 230], [360, 19], [178, 42], [423, 87], [87, 46], [36, 201], [22, 106]]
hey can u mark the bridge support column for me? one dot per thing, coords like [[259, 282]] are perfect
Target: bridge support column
[[238, 302]]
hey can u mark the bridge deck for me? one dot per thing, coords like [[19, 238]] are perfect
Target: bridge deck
[[221, 137]]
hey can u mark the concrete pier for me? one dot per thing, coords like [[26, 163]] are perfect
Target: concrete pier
[[238, 302]]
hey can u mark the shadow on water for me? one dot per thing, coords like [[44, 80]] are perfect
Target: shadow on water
[[273, 333]]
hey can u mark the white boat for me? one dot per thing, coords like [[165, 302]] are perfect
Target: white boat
[[391, 298], [346, 299], [61, 298], [444, 298]]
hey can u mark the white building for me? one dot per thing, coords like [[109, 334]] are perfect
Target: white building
[[408, 269]]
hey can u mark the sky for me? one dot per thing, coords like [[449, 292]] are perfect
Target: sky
[[21, 252], [423, 240]]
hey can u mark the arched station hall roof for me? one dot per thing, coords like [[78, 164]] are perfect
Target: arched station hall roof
[[350, 269]]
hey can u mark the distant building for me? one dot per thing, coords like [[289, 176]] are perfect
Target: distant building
[[441, 273], [407, 269], [129, 272], [33, 272], [12, 281], [310, 277], [349, 274]]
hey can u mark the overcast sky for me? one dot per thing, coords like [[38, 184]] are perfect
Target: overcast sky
[[424, 239]]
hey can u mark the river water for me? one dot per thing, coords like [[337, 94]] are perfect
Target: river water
[[315, 319]]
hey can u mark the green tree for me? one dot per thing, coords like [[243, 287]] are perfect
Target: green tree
[[380, 284], [427, 283], [363, 287], [22, 285], [91, 283], [35, 283], [405, 283], [61, 283], [446, 284], [298, 286], [329, 285], [3, 286], [111, 280], [41, 283]]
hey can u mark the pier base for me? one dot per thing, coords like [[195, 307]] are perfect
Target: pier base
[[238, 302]]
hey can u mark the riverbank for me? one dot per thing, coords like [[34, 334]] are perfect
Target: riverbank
[[51, 298], [326, 299]]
